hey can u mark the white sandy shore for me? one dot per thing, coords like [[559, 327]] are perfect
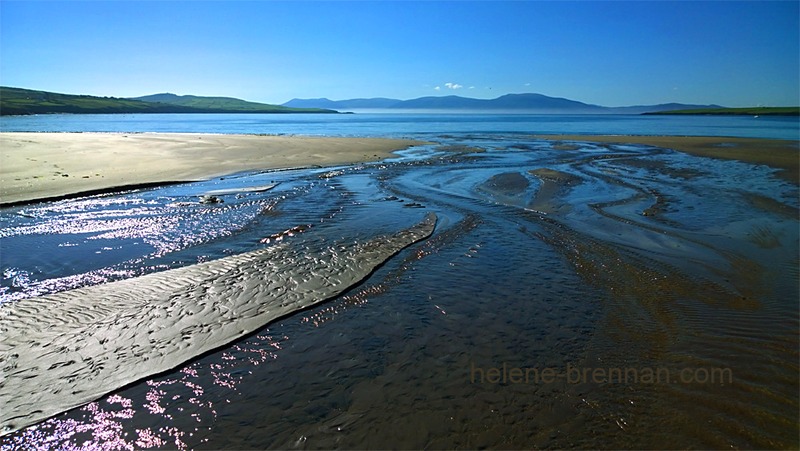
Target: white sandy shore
[[43, 165]]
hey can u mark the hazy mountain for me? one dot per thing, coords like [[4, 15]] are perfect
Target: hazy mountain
[[375, 103], [508, 102], [640, 109], [442, 103], [225, 104], [27, 101]]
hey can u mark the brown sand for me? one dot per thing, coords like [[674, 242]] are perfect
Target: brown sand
[[776, 153], [45, 165]]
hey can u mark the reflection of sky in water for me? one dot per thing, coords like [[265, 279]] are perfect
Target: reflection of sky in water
[[422, 125], [168, 405], [114, 237]]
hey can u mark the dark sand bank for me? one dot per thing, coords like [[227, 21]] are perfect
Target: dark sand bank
[[776, 153]]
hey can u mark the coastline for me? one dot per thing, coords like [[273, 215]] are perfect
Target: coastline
[[677, 254], [776, 153], [48, 166]]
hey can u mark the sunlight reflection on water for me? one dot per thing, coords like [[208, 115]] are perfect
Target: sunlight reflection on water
[[520, 271]]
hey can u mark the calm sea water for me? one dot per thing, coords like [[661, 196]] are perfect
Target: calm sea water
[[573, 294], [411, 124]]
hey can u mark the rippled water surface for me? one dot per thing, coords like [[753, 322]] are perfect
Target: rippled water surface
[[778, 127], [552, 266]]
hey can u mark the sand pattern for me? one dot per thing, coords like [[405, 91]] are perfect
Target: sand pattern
[[777, 153], [62, 350]]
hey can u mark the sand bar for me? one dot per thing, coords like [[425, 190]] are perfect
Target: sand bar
[[65, 349], [45, 165], [776, 153]]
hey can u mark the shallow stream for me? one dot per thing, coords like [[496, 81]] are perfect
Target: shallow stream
[[571, 295]]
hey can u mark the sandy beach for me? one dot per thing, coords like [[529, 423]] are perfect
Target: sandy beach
[[776, 153], [316, 298], [46, 165], [36, 166]]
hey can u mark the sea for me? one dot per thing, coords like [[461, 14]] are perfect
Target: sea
[[572, 295]]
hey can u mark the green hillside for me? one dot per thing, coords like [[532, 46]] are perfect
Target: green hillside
[[26, 101], [752, 111], [229, 104], [16, 101]]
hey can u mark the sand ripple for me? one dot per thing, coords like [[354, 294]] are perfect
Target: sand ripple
[[63, 350]]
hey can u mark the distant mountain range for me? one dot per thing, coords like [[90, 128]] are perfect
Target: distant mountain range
[[510, 102], [16, 101], [224, 104]]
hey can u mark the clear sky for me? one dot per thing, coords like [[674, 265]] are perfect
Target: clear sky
[[612, 53]]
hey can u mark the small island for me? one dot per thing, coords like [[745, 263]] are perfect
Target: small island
[[751, 111]]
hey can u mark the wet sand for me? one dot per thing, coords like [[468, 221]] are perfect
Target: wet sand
[[63, 350], [35, 166], [776, 153], [706, 279]]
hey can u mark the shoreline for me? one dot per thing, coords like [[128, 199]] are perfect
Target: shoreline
[[44, 166], [40, 166], [780, 154]]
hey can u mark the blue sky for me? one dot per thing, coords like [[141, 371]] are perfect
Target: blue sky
[[612, 53]]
